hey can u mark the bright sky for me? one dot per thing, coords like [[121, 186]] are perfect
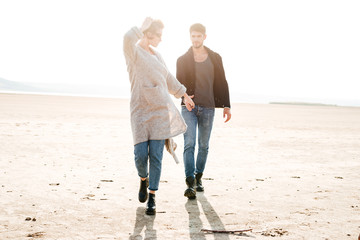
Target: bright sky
[[307, 48]]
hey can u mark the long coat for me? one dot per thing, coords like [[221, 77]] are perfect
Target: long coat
[[154, 115]]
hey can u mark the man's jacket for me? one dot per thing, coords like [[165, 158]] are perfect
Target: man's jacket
[[185, 73]]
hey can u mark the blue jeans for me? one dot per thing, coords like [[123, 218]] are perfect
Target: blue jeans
[[201, 118], [151, 150]]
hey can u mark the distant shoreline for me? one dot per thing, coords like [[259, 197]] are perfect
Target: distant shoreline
[[62, 94], [128, 97], [304, 103]]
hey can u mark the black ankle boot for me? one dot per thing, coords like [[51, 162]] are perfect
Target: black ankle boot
[[190, 191], [151, 206], [143, 194], [199, 186]]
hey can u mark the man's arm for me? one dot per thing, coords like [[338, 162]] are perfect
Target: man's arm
[[225, 88], [227, 113], [180, 73]]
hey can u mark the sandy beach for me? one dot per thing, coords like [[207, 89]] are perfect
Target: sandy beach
[[284, 171]]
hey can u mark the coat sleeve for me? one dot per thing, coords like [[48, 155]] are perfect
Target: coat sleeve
[[129, 42], [221, 88], [174, 86], [180, 73]]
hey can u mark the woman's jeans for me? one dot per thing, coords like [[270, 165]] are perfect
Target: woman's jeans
[[202, 118], [152, 150]]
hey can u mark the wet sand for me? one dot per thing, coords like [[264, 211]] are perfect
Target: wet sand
[[284, 171]]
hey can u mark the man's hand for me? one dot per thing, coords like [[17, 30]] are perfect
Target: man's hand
[[227, 113], [146, 24], [189, 102]]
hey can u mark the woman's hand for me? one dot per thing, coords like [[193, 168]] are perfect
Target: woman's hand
[[189, 102], [146, 24]]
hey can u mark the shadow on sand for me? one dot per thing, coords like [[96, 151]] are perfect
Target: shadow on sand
[[143, 221], [195, 223]]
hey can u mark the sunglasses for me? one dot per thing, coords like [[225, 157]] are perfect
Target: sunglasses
[[158, 34]]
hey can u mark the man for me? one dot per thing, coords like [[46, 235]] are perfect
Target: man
[[201, 71]]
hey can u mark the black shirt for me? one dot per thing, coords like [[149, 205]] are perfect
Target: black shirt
[[204, 74]]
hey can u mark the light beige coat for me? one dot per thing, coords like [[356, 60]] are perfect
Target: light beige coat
[[154, 115]]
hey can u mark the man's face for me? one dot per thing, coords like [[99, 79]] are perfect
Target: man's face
[[197, 39]]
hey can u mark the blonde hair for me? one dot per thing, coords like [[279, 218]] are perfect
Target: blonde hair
[[155, 25]]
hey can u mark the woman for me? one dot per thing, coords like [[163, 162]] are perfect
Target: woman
[[154, 116]]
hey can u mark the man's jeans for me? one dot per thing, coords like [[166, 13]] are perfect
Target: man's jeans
[[153, 150], [202, 118]]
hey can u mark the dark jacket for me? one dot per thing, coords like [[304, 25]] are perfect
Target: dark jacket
[[185, 73]]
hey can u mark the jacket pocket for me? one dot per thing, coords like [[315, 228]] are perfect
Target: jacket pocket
[[155, 96]]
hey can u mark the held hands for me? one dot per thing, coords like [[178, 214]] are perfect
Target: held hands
[[190, 105], [227, 113], [146, 24], [189, 102]]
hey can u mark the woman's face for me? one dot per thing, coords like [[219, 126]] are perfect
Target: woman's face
[[155, 37]]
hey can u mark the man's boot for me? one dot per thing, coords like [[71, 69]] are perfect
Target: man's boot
[[151, 206], [143, 194], [190, 191], [199, 186]]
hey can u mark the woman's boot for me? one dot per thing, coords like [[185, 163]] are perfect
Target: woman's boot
[[151, 207], [143, 194]]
